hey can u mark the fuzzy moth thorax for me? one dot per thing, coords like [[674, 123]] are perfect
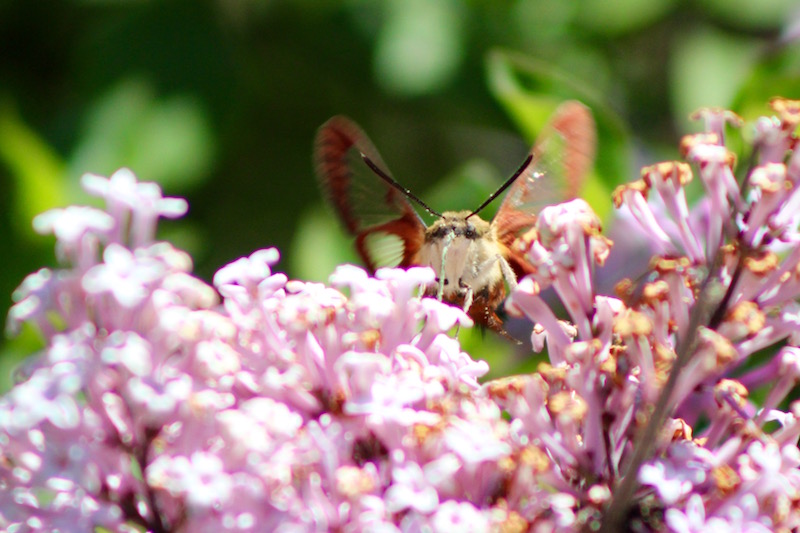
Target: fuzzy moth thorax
[[465, 250]]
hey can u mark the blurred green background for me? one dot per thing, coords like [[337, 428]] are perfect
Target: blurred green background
[[219, 102]]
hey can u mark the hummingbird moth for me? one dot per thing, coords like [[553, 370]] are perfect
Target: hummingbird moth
[[474, 259]]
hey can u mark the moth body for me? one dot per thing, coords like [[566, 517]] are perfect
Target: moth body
[[464, 252], [473, 259]]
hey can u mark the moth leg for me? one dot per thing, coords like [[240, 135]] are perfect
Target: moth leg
[[468, 299], [468, 295], [508, 274]]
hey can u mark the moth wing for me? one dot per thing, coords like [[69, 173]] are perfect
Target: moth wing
[[560, 160], [388, 230]]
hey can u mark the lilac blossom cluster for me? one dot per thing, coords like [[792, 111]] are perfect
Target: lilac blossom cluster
[[645, 402], [161, 403]]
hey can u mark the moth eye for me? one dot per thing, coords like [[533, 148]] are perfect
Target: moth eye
[[470, 232]]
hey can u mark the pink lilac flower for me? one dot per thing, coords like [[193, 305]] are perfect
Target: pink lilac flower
[[460, 517], [163, 403], [136, 204], [71, 226]]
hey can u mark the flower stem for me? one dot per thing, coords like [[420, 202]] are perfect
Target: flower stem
[[620, 506]]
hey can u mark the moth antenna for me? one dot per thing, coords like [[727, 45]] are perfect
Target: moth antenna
[[504, 186], [391, 181]]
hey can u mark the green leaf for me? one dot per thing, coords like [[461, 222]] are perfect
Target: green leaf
[[319, 246], [774, 75], [708, 69], [761, 15], [36, 169], [419, 49], [465, 188], [621, 16], [167, 140], [530, 90], [14, 350]]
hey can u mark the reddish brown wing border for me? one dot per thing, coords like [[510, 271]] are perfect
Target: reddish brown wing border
[[574, 122], [574, 128], [337, 148]]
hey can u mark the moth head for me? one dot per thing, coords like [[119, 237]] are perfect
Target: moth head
[[460, 224]]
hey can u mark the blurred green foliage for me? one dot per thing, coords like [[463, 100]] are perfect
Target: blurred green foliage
[[219, 102]]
